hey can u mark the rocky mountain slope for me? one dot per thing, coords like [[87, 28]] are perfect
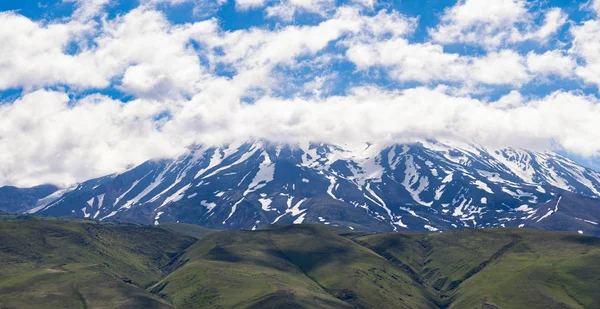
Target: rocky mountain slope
[[426, 186], [19, 200]]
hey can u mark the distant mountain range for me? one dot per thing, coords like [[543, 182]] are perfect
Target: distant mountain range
[[18, 200], [425, 186]]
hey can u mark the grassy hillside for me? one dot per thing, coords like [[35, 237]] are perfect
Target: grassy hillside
[[80, 264], [71, 264], [307, 266], [498, 268], [192, 230]]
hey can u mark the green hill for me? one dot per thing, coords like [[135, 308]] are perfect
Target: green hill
[[77, 264], [193, 230], [498, 268], [70, 264]]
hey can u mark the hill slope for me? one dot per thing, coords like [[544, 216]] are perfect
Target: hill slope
[[66, 264], [192, 230], [57, 263], [498, 268], [488, 269]]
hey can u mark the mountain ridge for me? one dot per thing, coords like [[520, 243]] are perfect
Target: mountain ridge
[[425, 186], [18, 200]]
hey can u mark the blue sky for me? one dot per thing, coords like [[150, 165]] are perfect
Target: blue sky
[[89, 87]]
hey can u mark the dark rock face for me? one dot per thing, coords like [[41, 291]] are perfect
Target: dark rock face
[[17, 200]]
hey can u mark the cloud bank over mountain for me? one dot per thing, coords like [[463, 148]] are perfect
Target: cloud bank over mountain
[[110, 84]]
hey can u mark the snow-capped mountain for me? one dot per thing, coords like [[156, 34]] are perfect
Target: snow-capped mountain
[[426, 186]]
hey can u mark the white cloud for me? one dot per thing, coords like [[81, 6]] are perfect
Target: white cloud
[[283, 11], [585, 45], [53, 142], [553, 20], [248, 4], [593, 5], [254, 53], [98, 135], [287, 9], [32, 55], [391, 24], [87, 9], [366, 3], [479, 21], [429, 63], [200, 75], [35, 55], [551, 62], [504, 67], [513, 99], [201, 8], [493, 23], [128, 46]]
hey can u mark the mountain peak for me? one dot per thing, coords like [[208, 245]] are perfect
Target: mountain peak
[[425, 186]]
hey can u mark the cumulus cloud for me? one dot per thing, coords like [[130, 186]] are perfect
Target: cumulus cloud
[[427, 63], [551, 62], [98, 135], [35, 55], [371, 114], [593, 5], [247, 4], [287, 9], [201, 8], [87, 9], [54, 140], [366, 3], [586, 44], [493, 23], [357, 73]]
